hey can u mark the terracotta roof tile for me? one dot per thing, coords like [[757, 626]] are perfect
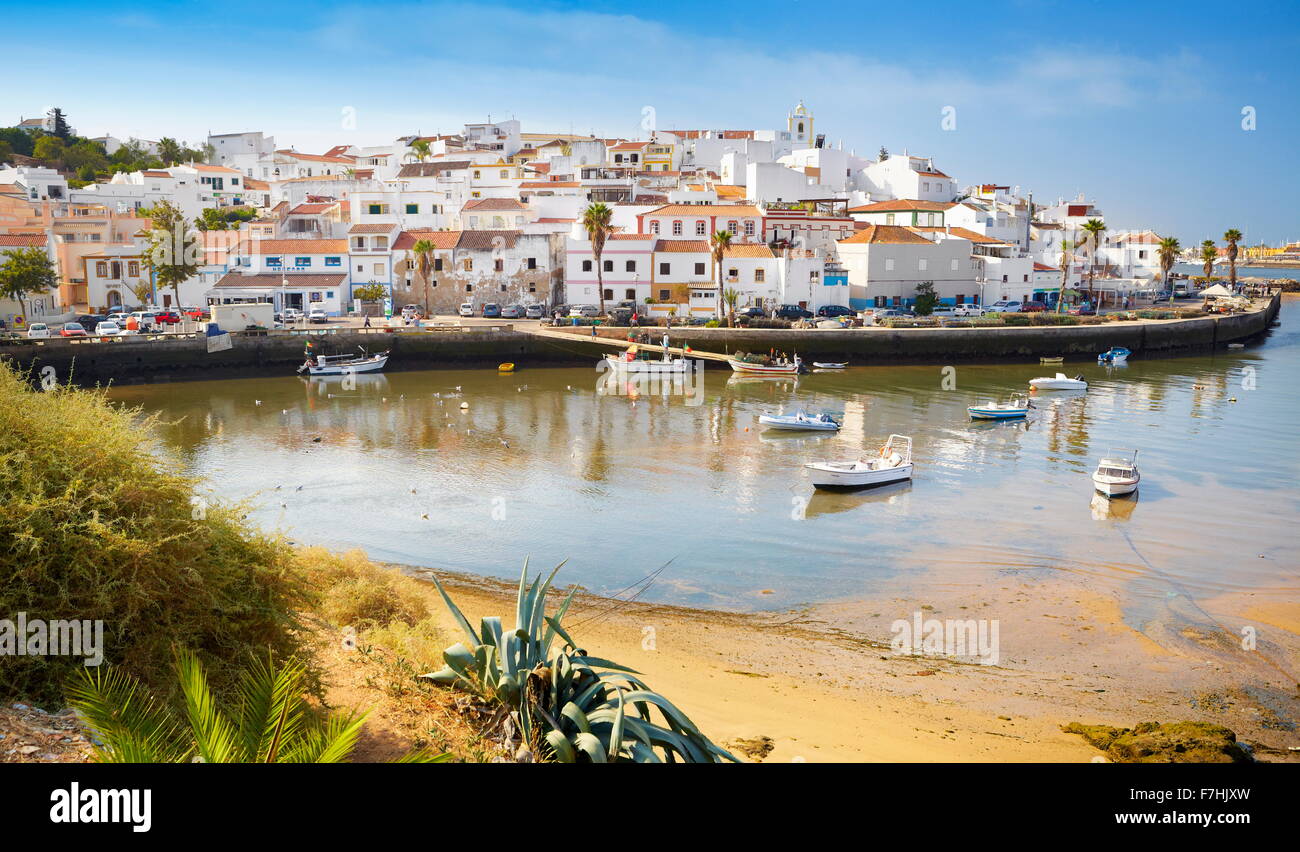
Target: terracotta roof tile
[[903, 204], [268, 247], [373, 228], [487, 240], [442, 240], [682, 246], [895, 234], [274, 280]]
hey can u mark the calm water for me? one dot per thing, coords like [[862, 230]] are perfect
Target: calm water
[[540, 465]]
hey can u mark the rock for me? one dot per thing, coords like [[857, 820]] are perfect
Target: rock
[[1170, 742], [756, 748], [28, 749]]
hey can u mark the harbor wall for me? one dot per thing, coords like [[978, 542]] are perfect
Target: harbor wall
[[131, 361]]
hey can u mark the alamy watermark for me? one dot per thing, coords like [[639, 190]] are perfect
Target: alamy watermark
[[39, 637], [974, 640]]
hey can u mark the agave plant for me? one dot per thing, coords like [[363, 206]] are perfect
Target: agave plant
[[568, 705], [270, 723]]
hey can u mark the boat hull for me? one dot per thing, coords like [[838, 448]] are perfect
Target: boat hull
[[797, 425], [681, 365], [371, 365], [977, 413], [748, 369], [1115, 487], [1058, 384], [831, 478]]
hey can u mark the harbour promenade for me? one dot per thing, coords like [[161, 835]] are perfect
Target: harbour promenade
[[151, 358]]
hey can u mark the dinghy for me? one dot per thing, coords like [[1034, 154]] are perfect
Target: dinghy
[[1117, 473], [1059, 359], [342, 365], [800, 421], [1114, 355], [893, 463], [829, 365], [1059, 382], [772, 368], [1016, 406]]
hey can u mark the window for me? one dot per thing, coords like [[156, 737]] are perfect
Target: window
[[954, 264], [1026, 281], [532, 263], [532, 288], [961, 299], [503, 288], [359, 243], [758, 276], [733, 273], [586, 266], [922, 265], [630, 266], [498, 265], [1004, 279], [813, 275], [930, 219], [654, 227], [360, 268], [609, 294], [732, 227], [101, 269], [925, 186], [375, 209], [607, 265], [302, 261], [133, 268], [677, 227], [468, 265], [412, 209], [664, 269], [699, 269], [477, 174], [664, 295], [505, 173], [889, 264], [333, 261], [631, 293], [700, 228], [273, 261], [749, 228], [469, 288], [437, 264], [889, 218]]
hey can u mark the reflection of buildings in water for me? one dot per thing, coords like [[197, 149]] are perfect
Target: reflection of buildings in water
[[1113, 508], [1065, 418]]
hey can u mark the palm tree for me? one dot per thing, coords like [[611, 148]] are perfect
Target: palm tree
[[1232, 236], [1208, 255], [1095, 228], [732, 297], [718, 245], [1168, 254], [420, 150], [595, 219], [270, 721], [422, 253], [1066, 259]]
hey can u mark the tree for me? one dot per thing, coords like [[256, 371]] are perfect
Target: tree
[[175, 252], [370, 292], [883, 155], [732, 297], [596, 221], [169, 150], [1232, 236], [19, 140], [718, 245], [60, 123], [1094, 228], [926, 299], [1067, 257], [49, 149], [422, 252], [420, 150], [26, 272], [6, 152], [1208, 255], [1168, 254]]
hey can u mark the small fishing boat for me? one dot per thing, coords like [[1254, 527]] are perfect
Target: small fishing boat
[[1015, 406], [1114, 355], [770, 368], [800, 421], [893, 463], [623, 364], [1059, 359], [829, 365], [1059, 382], [343, 365], [507, 367], [1117, 473]]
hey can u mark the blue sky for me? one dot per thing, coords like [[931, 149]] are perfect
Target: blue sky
[[1138, 105]]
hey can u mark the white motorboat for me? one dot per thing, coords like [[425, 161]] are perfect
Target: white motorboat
[[343, 365], [800, 421], [1016, 406], [1117, 473], [830, 365], [641, 365], [893, 463], [1058, 382], [768, 368]]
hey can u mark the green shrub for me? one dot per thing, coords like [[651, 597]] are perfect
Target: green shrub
[[957, 324], [1046, 318], [97, 527], [986, 321], [712, 324], [1016, 319]]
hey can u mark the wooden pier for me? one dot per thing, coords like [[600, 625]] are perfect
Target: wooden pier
[[655, 344]]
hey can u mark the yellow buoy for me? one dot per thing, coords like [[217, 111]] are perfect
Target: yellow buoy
[[506, 367]]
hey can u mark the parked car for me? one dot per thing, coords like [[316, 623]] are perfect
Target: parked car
[[491, 310], [72, 329], [412, 312], [108, 328], [832, 311], [512, 312], [466, 309], [291, 315], [119, 318], [194, 313], [1003, 306], [1032, 307], [144, 319], [1083, 311], [317, 315], [753, 312], [38, 331], [89, 321], [883, 314], [169, 317], [534, 311], [584, 311], [792, 312], [968, 311]]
